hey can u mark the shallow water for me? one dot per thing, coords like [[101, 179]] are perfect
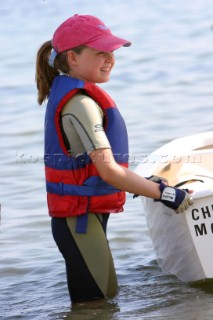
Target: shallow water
[[163, 87]]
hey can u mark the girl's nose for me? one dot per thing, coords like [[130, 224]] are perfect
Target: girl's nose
[[109, 56]]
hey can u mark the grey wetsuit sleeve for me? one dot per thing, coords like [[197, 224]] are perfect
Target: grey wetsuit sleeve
[[82, 121]]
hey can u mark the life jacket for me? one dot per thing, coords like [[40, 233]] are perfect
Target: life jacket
[[73, 184]]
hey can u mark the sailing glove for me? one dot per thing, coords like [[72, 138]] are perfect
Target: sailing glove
[[176, 199]]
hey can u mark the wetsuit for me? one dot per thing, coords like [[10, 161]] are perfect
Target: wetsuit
[[89, 264]]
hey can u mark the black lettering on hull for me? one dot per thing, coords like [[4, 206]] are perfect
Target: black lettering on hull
[[200, 230]]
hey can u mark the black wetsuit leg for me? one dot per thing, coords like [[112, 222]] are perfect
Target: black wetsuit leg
[[81, 283]]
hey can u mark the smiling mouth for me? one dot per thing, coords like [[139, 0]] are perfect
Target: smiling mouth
[[106, 69]]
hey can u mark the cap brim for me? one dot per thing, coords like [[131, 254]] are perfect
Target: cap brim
[[108, 43]]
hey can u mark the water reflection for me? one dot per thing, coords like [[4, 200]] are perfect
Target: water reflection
[[99, 310]]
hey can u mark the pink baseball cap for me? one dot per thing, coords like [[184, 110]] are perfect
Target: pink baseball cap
[[86, 30]]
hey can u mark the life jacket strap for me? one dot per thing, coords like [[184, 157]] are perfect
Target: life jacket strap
[[94, 186], [81, 223]]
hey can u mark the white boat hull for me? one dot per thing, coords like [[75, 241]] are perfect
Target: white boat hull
[[183, 242]]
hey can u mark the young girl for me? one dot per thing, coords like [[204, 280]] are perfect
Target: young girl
[[86, 153]]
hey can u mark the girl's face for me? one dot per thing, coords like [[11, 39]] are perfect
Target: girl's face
[[91, 65]]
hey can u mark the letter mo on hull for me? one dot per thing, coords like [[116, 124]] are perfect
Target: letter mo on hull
[[200, 222]]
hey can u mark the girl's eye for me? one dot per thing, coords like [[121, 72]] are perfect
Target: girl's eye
[[105, 53]]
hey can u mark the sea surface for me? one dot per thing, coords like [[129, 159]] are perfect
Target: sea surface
[[163, 86]]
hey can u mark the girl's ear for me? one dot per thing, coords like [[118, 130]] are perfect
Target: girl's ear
[[71, 58]]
